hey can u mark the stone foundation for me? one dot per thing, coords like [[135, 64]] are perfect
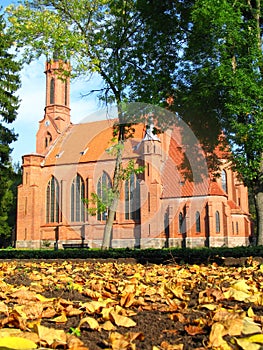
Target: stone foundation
[[144, 243]]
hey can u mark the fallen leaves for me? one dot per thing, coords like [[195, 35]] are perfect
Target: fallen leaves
[[222, 306]]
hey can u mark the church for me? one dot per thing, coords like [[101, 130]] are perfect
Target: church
[[159, 207]]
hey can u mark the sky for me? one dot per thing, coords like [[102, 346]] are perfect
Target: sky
[[31, 110], [32, 104]]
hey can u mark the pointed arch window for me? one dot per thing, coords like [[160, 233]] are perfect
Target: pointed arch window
[[52, 201], [52, 91], [132, 198], [224, 180], [103, 185], [181, 223], [197, 222], [77, 199], [217, 215], [48, 139]]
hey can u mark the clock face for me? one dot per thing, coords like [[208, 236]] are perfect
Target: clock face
[[47, 122]]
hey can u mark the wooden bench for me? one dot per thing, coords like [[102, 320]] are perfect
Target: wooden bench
[[75, 245]]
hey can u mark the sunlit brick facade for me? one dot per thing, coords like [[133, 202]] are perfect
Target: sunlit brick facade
[[158, 208]]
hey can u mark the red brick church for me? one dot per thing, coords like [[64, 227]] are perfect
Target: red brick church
[[158, 208]]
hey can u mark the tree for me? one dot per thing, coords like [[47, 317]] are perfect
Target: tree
[[9, 103], [8, 206], [221, 81], [98, 36]]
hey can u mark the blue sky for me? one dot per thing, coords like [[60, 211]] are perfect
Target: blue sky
[[31, 111], [32, 96]]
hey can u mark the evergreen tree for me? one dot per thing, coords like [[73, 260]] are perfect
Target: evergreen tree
[[9, 103]]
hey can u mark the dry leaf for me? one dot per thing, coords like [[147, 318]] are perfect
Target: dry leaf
[[118, 342], [167, 346], [93, 324], [50, 335], [193, 330], [60, 319], [17, 343], [256, 338], [250, 327], [246, 345], [123, 321], [108, 326], [127, 300], [216, 337]]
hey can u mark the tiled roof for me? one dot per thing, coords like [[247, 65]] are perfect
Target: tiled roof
[[87, 142], [185, 172], [215, 189]]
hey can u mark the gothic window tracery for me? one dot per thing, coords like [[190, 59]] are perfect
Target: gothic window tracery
[[52, 201], [103, 185], [132, 198], [77, 199], [52, 91], [217, 216], [197, 222], [224, 180]]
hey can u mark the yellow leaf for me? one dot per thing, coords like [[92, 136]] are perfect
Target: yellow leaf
[[236, 294], [118, 341], [60, 319], [122, 320], [250, 327], [127, 300], [50, 335], [246, 345], [234, 327], [42, 298], [250, 312], [211, 307], [177, 291], [93, 324], [77, 287], [257, 338], [216, 337], [108, 326], [241, 286], [106, 312], [12, 332], [17, 343]]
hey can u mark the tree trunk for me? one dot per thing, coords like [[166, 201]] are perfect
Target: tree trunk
[[116, 186], [106, 243], [259, 212]]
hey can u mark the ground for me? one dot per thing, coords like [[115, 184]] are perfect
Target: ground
[[124, 305]]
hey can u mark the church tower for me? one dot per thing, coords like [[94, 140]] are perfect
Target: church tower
[[57, 109]]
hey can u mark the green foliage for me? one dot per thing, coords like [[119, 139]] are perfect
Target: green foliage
[[99, 205], [144, 256], [75, 331], [221, 83], [9, 103], [98, 35], [223, 66]]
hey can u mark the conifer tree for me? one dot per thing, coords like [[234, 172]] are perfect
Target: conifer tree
[[9, 103]]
